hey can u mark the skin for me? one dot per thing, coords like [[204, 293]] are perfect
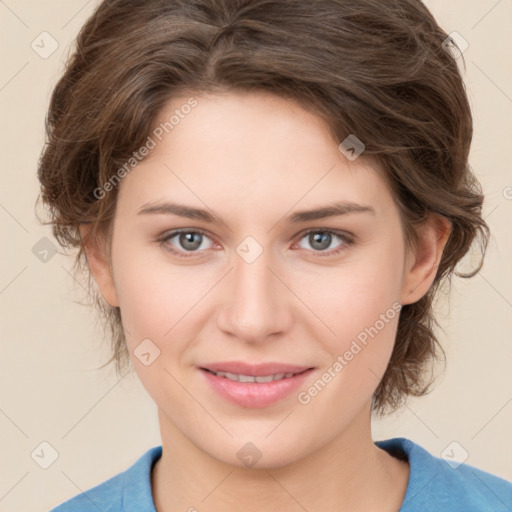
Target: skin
[[253, 159]]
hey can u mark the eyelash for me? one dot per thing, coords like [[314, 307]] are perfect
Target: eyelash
[[346, 239]]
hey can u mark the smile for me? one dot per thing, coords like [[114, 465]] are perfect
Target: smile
[[268, 388], [251, 378]]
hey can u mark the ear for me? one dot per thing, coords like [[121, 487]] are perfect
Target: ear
[[96, 252], [422, 263]]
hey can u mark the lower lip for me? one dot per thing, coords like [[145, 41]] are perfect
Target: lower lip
[[255, 394]]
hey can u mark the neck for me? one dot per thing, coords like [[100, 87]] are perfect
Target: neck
[[348, 473]]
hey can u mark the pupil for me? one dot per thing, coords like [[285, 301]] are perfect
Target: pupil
[[188, 238], [318, 236]]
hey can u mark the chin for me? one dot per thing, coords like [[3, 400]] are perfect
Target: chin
[[261, 453]]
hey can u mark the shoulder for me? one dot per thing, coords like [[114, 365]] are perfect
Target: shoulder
[[125, 492], [437, 483]]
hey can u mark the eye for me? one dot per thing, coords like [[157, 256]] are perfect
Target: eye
[[320, 240], [188, 241]]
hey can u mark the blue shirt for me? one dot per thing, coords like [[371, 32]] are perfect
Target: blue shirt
[[434, 485]]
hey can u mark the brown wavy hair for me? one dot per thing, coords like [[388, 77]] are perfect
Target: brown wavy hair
[[380, 70]]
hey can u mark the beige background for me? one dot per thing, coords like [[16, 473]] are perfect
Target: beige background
[[100, 425]]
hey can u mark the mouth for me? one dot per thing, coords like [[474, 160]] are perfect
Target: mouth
[[237, 377], [254, 386]]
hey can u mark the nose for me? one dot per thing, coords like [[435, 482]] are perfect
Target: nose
[[256, 307]]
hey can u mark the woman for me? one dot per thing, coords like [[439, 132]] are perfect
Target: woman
[[268, 195]]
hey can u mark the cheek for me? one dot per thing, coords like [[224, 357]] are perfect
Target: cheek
[[157, 299], [355, 295], [361, 309], [365, 325]]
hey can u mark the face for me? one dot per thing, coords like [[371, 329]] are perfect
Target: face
[[249, 286]]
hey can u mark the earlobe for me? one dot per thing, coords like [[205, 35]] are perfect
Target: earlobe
[[99, 264], [422, 263]]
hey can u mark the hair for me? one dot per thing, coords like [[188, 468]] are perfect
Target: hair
[[379, 70]]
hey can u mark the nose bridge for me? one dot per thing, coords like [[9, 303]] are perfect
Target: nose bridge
[[256, 303]]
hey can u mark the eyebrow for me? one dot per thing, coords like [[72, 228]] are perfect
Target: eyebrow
[[330, 210]]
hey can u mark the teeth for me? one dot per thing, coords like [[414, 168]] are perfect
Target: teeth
[[245, 378], [268, 378], [250, 378]]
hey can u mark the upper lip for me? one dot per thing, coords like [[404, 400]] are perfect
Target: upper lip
[[256, 370]]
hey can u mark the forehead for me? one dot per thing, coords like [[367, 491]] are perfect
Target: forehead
[[249, 151]]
